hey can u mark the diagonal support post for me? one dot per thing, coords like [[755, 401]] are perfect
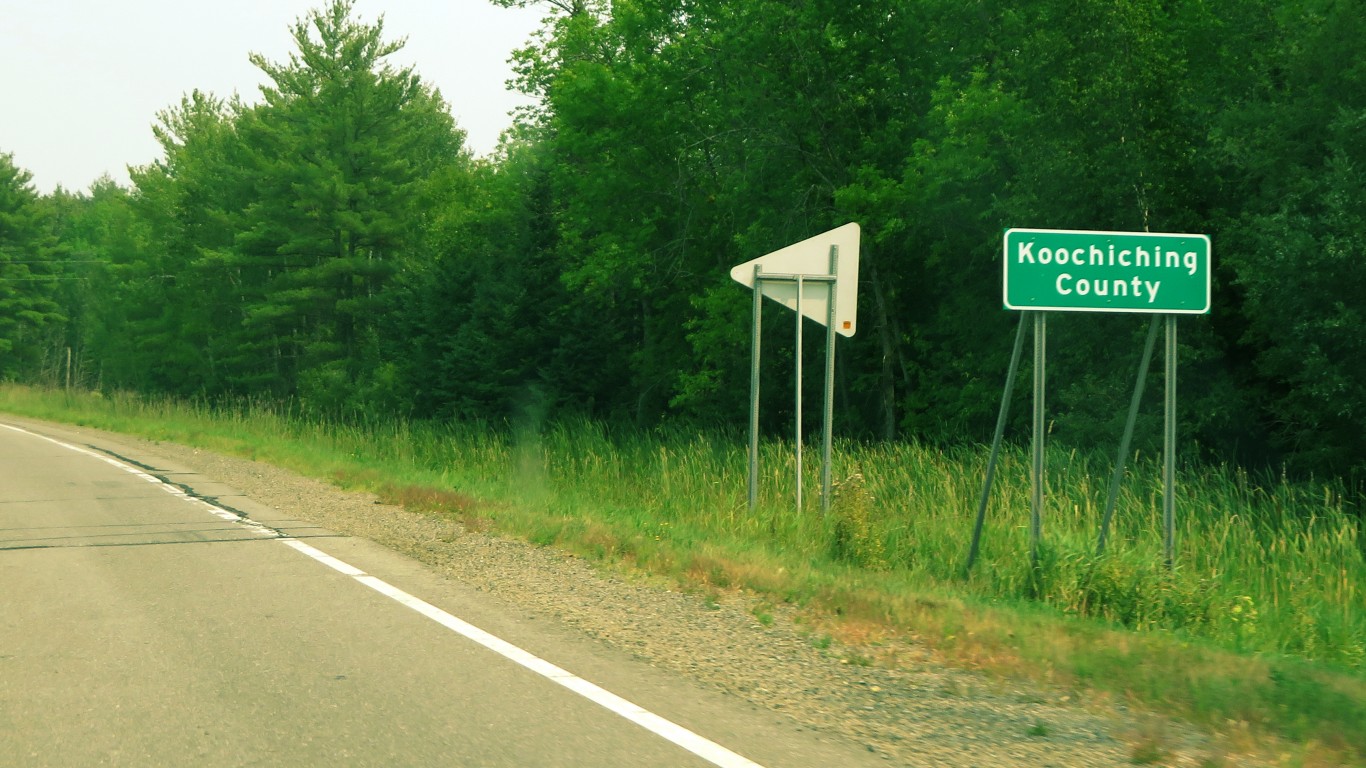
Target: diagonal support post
[[1128, 437], [995, 446]]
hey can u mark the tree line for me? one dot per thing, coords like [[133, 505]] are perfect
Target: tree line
[[334, 244]]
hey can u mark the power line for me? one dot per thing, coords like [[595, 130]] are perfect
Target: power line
[[39, 279]]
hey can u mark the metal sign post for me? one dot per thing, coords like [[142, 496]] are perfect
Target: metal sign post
[[782, 276], [797, 415], [1001, 416], [1037, 450], [754, 390], [828, 416], [762, 279], [1122, 456], [1088, 271], [1169, 450]]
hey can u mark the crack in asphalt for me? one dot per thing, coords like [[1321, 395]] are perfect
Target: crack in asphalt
[[215, 501]]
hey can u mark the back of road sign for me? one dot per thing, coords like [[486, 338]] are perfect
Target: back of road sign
[[811, 258]]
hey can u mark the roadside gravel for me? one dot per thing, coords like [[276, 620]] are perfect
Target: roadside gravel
[[907, 705]]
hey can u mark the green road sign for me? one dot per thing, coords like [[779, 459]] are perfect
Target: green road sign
[[1081, 271]]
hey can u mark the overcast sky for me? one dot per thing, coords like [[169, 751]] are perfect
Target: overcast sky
[[81, 81]]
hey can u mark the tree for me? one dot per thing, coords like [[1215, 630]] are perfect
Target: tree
[[335, 242], [485, 323], [1295, 222], [339, 153], [173, 304], [27, 273], [100, 235], [685, 135]]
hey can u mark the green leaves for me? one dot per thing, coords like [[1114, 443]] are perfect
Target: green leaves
[[28, 271], [334, 242]]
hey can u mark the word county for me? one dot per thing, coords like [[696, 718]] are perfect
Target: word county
[[1137, 258]]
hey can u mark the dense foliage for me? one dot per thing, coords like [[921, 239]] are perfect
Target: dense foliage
[[27, 286], [335, 244]]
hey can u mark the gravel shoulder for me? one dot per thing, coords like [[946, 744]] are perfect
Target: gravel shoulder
[[907, 706]]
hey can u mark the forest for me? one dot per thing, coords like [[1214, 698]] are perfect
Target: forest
[[330, 243]]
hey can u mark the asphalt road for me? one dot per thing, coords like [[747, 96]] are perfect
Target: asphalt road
[[140, 625]]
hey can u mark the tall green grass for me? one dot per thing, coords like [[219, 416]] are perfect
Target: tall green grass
[[1260, 621]]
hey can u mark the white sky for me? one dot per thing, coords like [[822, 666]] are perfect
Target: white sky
[[81, 81]]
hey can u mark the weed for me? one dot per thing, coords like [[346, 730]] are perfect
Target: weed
[[763, 613], [1147, 752], [1149, 743], [855, 538]]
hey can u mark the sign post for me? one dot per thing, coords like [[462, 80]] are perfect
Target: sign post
[[1169, 449], [830, 258], [1090, 271], [1040, 433], [758, 311]]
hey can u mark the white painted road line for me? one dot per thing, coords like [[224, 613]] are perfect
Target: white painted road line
[[216, 511], [704, 748]]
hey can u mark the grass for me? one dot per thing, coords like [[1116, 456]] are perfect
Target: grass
[[1258, 628]]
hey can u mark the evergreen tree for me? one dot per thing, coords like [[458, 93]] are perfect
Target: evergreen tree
[[176, 301], [339, 154], [27, 274], [101, 235], [487, 323]]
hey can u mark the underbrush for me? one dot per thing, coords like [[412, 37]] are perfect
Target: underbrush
[[1259, 624]]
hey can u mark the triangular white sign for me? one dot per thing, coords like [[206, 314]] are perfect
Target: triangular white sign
[[812, 257]]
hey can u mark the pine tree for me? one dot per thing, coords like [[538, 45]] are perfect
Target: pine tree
[[27, 273], [339, 153]]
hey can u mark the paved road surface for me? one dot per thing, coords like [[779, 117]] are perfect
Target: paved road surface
[[141, 626]]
